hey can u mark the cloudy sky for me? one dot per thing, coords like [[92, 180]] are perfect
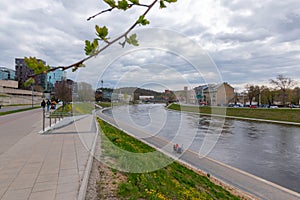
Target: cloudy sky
[[248, 41]]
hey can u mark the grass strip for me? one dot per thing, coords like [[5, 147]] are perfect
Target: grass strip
[[19, 110], [105, 104], [281, 114], [173, 181]]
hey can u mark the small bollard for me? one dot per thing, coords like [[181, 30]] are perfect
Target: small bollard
[[50, 120]]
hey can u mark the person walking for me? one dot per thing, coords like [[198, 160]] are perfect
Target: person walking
[[43, 104], [48, 105]]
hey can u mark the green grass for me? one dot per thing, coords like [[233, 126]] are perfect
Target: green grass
[[286, 115], [66, 111], [171, 182], [104, 104], [20, 110], [83, 108], [20, 105], [75, 109]]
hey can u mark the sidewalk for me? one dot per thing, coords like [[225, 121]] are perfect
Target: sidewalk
[[50, 166]]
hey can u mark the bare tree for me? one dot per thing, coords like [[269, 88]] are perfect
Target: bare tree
[[252, 92], [283, 84], [63, 91], [296, 95], [85, 92], [267, 95]]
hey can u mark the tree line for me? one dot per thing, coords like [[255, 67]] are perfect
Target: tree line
[[284, 90]]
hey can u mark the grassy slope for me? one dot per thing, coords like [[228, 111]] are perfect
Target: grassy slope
[[171, 182], [289, 115], [15, 111], [104, 104]]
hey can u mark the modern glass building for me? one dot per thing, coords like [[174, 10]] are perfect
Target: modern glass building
[[53, 77], [7, 74]]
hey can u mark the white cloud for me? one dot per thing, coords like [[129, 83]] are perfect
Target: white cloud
[[250, 41]]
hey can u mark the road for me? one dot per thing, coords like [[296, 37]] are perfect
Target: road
[[18, 125], [251, 184]]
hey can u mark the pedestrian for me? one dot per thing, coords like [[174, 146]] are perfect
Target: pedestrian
[[48, 105], [43, 104]]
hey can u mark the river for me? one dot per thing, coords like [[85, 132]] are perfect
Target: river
[[269, 151]]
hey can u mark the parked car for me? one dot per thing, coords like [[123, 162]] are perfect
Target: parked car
[[273, 106], [235, 105], [253, 106]]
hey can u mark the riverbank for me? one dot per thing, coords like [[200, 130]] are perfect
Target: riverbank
[[290, 116], [241, 180], [172, 181]]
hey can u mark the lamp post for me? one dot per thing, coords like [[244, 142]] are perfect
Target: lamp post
[[49, 86]]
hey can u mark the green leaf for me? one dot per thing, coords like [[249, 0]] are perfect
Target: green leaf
[[91, 47], [123, 5], [142, 20], [132, 40], [162, 4], [111, 3], [37, 66], [101, 32], [171, 1], [135, 1], [29, 82], [88, 47]]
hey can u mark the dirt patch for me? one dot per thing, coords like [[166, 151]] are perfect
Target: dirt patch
[[103, 182]]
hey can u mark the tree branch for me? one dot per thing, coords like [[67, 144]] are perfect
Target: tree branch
[[103, 11], [110, 9], [78, 64]]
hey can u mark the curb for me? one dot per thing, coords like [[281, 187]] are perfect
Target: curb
[[85, 179]]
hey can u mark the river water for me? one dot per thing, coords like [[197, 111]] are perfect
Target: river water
[[270, 151]]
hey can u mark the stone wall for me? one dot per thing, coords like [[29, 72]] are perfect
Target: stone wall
[[19, 99]]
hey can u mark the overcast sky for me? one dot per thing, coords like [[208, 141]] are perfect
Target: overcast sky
[[249, 41]]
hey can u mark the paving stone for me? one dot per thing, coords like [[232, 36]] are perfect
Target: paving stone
[[44, 186], [64, 196], [2, 191], [44, 195], [66, 188], [16, 194], [52, 177]]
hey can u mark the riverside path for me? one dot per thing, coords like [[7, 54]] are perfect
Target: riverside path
[[44, 166], [244, 181]]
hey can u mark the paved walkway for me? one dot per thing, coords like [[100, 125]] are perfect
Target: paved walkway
[[46, 166]]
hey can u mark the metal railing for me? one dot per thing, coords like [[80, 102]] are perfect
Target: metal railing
[[53, 117]]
